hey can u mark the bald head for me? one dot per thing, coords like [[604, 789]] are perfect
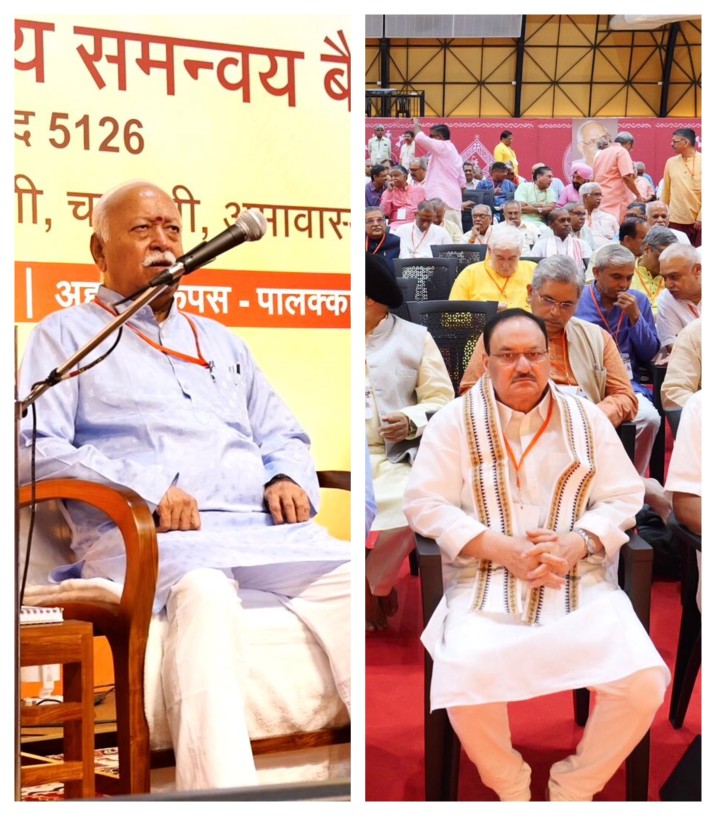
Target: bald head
[[137, 235]]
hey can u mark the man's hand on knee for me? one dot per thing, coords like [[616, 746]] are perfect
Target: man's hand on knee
[[177, 510], [287, 502]]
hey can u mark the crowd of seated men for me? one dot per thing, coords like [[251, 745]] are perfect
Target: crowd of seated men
[[620, 295]]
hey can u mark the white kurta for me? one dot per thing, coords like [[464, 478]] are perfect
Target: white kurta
[[433, 390], [485, 658]]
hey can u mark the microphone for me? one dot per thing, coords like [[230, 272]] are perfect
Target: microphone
[[249, 226]]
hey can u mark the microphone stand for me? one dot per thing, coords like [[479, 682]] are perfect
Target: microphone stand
[[21, 406]]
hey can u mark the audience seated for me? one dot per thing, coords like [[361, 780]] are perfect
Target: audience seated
[[375, 188], [626, 314], [537, 197], [448, 224], [530, 233], [497, 183], [657, 214], [481, 225], [581, 174], [648, 277], [578, 217], [559, 240], [683, 373], [417, 237], [603, 226], [400, 203], [502, 276], [378, 241], [680, 302], [405, 380]]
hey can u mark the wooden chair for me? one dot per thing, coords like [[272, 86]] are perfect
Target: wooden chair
[[434, 276], [442, 747], [456, 326], [125, 623]]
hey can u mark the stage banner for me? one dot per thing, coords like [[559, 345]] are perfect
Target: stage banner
[[224, 113], [555, 142]]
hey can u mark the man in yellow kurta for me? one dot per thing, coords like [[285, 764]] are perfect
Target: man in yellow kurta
[[502, 276], [682, 185], [505, 153], [647, 276]]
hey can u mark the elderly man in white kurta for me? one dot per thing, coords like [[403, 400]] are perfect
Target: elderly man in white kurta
[[181, 413], [528, 493]]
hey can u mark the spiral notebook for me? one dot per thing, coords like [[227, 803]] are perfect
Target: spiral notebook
[[40, 614]]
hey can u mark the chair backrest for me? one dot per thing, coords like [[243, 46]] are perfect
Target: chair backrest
[[476, 197], [456, 326], [434, 276], [532, 258], [464, 254], [407, 287]]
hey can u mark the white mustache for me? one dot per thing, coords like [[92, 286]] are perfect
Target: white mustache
[[159, 258]]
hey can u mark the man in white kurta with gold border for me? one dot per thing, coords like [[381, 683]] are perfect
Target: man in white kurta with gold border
[[528, 493]]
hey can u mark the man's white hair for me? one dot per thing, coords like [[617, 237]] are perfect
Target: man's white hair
[[679, 250], [589, 188], [505, 236]]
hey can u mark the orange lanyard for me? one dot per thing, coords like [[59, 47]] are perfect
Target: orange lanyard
[[500, 289], [412, 238], [659, 286], [510, 453], [380, 244], [614, 334], [198, 360]]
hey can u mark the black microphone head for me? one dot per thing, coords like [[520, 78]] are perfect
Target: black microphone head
[[253, 223]]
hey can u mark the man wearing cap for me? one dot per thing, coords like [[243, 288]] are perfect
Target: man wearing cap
[[379, 145], [581, 173], [405, 379]]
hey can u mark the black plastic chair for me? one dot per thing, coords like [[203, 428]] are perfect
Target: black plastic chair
[[673, 417], [434, 276], [442, 747], [464, 254], [456, 326], [658, 452], [407, 287]]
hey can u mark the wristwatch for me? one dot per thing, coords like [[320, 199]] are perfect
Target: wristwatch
[[588, 541]]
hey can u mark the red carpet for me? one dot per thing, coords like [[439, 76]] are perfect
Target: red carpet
[[543, 730]]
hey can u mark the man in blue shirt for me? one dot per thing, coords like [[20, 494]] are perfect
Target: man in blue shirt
[[503, 189], [375, 188], [626, 314]]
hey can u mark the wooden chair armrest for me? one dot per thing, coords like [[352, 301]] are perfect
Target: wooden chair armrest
[[337, 479], [636, 560], [131, 515], [431, 574]]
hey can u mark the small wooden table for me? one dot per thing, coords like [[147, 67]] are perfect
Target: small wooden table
[[70, 644]]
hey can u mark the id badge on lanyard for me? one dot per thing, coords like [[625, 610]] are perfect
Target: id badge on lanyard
[[627, 364]]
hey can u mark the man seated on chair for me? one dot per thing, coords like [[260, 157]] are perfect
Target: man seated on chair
[[683, 373], [680, 302], [528, 493], [559, 240], [180, 412], [626, 314], [378, 241], [513, 216], [647, 278], [418, 237], [481, 225], [502, 276], [406, 379]]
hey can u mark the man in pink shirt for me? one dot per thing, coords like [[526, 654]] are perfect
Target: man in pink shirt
[[614, 173], [445, 178], [400, 203]]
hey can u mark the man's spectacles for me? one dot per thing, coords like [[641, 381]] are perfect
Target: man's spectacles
[[676, 141], [510, 357], [550, 303]]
